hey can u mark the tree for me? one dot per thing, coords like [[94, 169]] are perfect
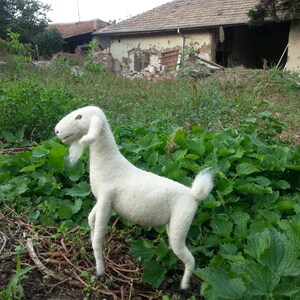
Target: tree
[[27, 17], [49, 42], [275, 10]]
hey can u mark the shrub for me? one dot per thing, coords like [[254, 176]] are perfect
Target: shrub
[[49, 42], [32, 106]]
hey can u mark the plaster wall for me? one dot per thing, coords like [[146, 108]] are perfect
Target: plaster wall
[[293, 62], [123, 48]]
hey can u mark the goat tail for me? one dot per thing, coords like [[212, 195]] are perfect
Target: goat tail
[[202, 185]]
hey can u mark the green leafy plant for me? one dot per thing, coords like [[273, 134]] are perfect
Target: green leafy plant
[[14, 139], [14, 289], [251, 211]]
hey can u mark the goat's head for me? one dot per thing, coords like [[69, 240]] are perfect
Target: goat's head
[[80, 127]]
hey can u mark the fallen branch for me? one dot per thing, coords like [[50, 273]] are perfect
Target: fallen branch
[[39, 264], [4, 239]]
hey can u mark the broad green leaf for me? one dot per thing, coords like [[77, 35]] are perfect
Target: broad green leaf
[[40, 152], [280, 184], [263, 281], [223, 164], [77, 206], [196, 147], [74, 172], [222, 226], [225, 286], [240, 220], [281, 256], [34, 214], [152, 158], [225, 186], [142, 248], [273, 163], [57, 157], [4, 176], [257, 244], [162, 249], [210, 202], [82, 189], [179, 154], [32, 168], [229, 251], [149, 141], [275, 252], [285, 203], [65, 211], [180, 139], [246, 169], [9, 136], [272, 216], [153, 274], [22, 188], [251, 188], [286, 290]]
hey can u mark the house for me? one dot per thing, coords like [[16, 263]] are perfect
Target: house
[[217, 29], [79, 33]]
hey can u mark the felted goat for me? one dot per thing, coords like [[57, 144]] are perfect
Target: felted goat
[[139, 196]]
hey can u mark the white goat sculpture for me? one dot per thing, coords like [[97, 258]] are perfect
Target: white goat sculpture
[[142, 197]]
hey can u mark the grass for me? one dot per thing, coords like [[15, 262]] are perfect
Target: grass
[[216, 102]]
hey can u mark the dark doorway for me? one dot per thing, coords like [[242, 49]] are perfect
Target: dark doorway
[[253, 47]]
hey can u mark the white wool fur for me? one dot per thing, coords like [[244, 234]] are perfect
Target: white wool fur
[[142, 197]]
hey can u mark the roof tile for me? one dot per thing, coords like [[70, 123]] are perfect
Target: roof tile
[[186, 14], [73, 29]]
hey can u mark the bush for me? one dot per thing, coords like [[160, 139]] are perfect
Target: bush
[[49, 42], [35, 108]]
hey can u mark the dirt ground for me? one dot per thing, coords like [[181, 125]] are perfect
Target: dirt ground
[[63, 266]]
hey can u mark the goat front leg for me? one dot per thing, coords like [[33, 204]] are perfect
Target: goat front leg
[[91, 221], [101, 218]]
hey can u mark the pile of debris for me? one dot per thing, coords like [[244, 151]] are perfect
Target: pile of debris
[[150, 73]]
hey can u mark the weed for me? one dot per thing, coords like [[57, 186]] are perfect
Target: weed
[[14, 289]]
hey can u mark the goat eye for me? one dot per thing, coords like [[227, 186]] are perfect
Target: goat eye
[[78, 117]]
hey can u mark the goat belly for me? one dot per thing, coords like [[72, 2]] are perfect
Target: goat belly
[[142, 213]]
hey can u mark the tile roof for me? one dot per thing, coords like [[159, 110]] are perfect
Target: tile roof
[[185, 14], [73, 29]]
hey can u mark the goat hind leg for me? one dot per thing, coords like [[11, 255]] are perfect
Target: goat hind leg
[[178, 229]]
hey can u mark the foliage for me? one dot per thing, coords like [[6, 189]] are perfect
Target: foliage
[[243, 232], [40, 95], [275, 10], [14, 289], [49, 42], [26, 17], [36, 108], [14, 139], [43, 179], [20, 53]]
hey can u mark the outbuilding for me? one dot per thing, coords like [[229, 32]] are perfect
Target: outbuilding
[[218, 30]]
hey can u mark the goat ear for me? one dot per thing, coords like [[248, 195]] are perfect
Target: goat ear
[[93, 133]]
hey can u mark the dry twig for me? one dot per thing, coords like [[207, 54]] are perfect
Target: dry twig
[[39, 264]]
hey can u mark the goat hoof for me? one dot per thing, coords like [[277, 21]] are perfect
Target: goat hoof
[[99, 272]]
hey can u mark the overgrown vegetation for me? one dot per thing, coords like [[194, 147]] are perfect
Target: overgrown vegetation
[[26, 17], [241, 123], [275, 10]]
